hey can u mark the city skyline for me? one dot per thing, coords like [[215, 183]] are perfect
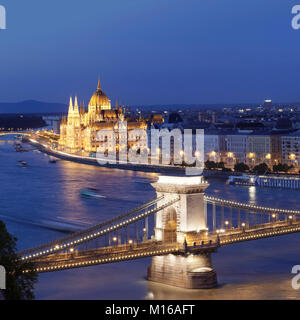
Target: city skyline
[[165, 52], [150, 151]]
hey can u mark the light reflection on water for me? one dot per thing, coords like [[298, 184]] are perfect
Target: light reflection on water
[[252, 194], [253, 270]]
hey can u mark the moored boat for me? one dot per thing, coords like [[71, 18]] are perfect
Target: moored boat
[[271, 181], [278, 182], [244, 179]]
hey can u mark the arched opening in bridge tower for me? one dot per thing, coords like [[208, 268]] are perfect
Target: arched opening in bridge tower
[[170, 226]]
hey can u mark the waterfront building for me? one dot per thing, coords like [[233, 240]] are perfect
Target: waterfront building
[[236, 148], [253, 148], [212, 146], [276, 154], [290, 145], [78, 132], [250, 147], [259, 149]]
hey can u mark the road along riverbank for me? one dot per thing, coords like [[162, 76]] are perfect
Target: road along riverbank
[[163, 169]]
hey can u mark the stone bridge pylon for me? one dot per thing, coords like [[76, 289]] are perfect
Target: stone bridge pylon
[[182, 223]]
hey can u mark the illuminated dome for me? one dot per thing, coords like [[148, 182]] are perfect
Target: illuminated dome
[[100, 100]]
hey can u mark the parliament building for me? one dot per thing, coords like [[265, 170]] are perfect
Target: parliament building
[[78, 131]]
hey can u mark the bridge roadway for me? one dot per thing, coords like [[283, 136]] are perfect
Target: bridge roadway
[[149, 248], [106, 255], [260, 231]]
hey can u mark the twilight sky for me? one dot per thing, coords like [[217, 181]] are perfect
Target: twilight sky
[[150, 51]]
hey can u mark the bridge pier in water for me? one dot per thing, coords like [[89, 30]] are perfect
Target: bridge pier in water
[[183, 223]]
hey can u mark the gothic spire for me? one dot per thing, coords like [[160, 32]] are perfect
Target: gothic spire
[[71, 106], [80, 108], [76, 105]]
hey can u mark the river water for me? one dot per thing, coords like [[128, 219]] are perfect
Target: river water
[[43, 191]]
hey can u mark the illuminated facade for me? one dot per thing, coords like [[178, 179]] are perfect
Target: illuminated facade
[[291, 149], [79, 132], [247, 147], [264, 149]]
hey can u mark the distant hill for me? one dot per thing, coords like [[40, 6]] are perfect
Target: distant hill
[[38, 107], [32, 106]]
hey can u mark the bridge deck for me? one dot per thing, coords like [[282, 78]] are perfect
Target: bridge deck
[[102, 256], [117, 253], [260, 231]]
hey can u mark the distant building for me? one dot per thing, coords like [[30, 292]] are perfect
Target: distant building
[[156, 118], [53, 122], [283, 124], [201, 116], [268, 104], [254, 126], [175, 118], [214, 117]]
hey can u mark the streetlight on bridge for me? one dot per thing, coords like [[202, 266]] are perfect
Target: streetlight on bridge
[[243, 224], [145, 237]]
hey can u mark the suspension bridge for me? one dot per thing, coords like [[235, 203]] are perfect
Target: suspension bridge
[[180, 229]]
